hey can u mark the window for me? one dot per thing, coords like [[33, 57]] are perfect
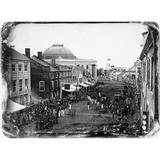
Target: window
[[26, 83], [133, 76], [56, 75], [13, 67], [148, 73], [80, 80], [20, 85], [25, 67], [14, 85], [52, 84], [52, 75], [60, 74], [19, 67], [56, 84], [41, 86], [86, 66], [152, 70], [144, 71]]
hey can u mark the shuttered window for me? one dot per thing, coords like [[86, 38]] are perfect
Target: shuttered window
[[41, 86]]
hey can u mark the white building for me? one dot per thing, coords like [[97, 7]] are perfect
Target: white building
[[19, 84], [58, 54]]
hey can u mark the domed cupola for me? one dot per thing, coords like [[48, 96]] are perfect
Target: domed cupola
[[58, 51]]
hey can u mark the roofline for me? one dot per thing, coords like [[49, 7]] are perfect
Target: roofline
[[146, 46], [13, 50], [77, 59], [49, 65], [153, 29]]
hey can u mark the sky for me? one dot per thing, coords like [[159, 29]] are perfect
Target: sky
[[118, 41]]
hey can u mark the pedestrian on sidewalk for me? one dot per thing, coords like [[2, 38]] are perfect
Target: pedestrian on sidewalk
[[97, 103], [62, 112], [70, 106], [101, 105], [59, 113], [88, 105]]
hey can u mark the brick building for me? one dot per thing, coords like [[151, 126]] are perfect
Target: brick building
[[44, 79]]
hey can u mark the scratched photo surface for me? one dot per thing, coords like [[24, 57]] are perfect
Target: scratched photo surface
[[80, 79]]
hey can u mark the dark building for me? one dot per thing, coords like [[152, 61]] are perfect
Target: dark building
[[65, 74], [39, 79], [55, 89], [44, 79]]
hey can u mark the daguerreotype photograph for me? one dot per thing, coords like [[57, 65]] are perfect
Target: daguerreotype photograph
[[80, 79]]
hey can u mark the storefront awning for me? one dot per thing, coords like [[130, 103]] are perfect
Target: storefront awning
[[88, 83], [83, 85], [13, 106], [72, 88], [68, 90]]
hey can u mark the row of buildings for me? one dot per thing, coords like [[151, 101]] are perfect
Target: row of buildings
[[145, 73], [45, 75], [112, 73]]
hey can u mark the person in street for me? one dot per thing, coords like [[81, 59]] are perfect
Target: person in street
[[97, 103], [101, 105], [59, 111], [62, 112], [70, 106], [88, 105]]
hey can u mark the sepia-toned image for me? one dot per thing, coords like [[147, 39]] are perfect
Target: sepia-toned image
[[80, 79]]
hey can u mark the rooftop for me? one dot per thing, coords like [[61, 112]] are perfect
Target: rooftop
[[44, 63], [58, 50], [15, 55]]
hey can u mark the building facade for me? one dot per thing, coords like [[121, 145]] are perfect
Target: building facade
[[150, 76], [65, 74], [19, 78], [45, 82], [79, 75], [55, 89], [39, 80], [158, 70]]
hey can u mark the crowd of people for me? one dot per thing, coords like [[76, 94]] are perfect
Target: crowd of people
[[122, 106], [45, 114]]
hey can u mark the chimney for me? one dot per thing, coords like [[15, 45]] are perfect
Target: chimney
[[40, 55], [27, 52], [12, 46]]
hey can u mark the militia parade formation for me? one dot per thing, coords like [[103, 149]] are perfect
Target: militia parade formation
[[56, 94]]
